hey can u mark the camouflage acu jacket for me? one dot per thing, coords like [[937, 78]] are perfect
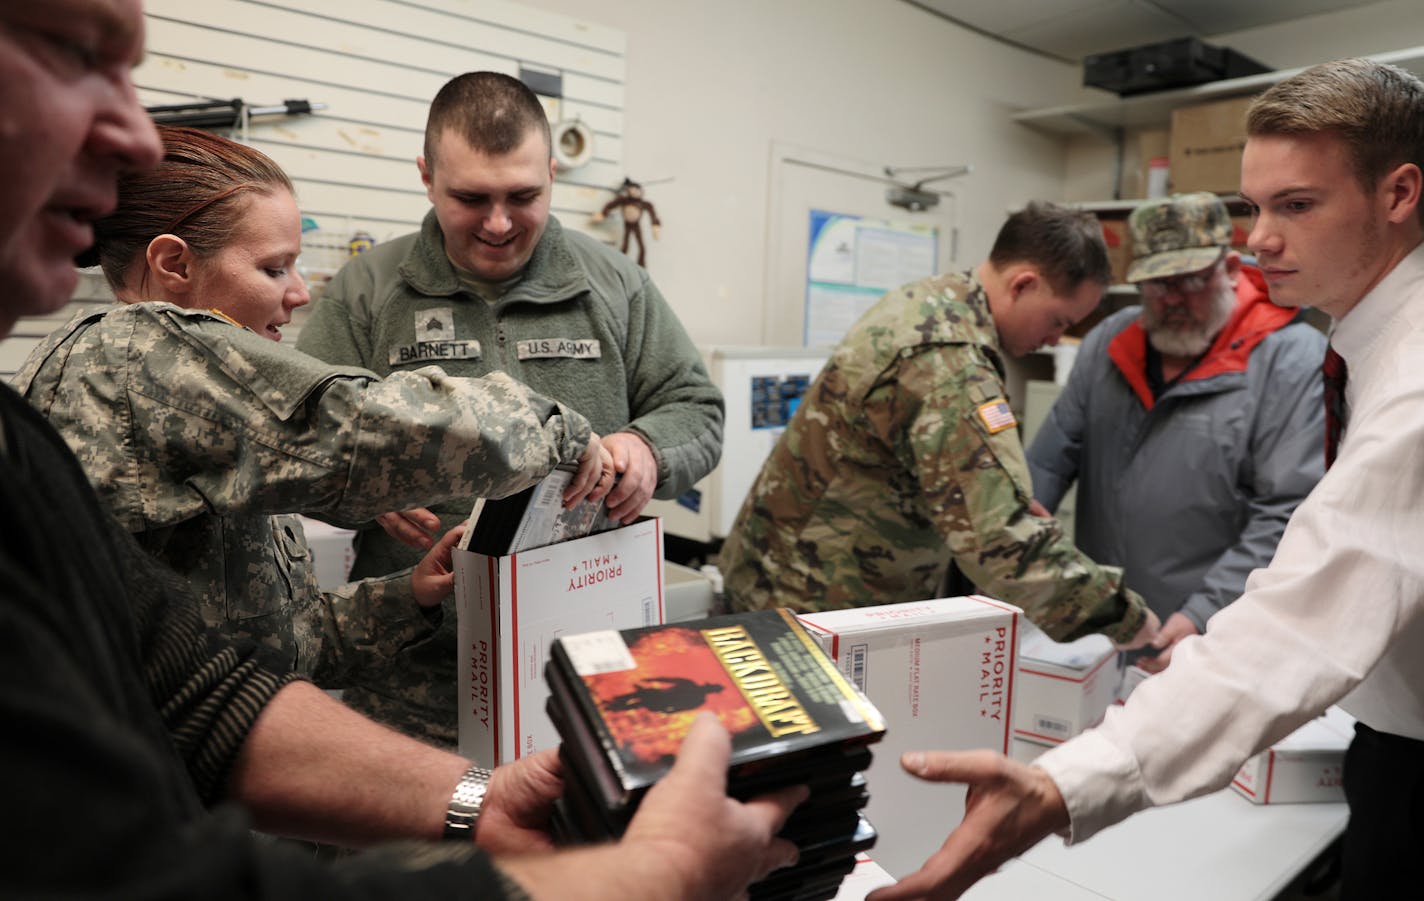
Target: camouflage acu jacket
[[902, 457], [198, 435]]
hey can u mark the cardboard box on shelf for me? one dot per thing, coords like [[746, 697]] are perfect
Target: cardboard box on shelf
[[1207, 139], [511, 608], [942, 674], [1304, 766], [1119, 245], [1240, 232], [1063, 688], [1146, 158]]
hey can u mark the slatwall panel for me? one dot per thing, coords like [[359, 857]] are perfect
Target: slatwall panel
[[376, 64]]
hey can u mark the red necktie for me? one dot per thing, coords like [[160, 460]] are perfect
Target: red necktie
[[1334, 372]]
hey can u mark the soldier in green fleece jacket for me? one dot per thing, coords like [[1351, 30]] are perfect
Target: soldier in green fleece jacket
[[491, 283]]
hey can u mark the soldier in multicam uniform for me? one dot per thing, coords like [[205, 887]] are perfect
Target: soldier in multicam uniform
[[204, 437], [903, 458]]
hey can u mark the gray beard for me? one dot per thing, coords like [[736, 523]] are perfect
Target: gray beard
[[1181, 343], [1192, 340]]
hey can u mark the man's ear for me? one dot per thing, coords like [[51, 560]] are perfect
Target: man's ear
[[1022, 282], [427, 174], [1402, 187], [170, 265]]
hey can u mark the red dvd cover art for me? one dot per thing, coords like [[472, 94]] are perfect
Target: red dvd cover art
[[649, 709]]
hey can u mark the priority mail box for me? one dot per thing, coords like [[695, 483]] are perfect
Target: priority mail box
[[1304, 766], [1119, 244], [942, 674], [1064, 687], [1132, 677], [861, 881], [511, 608], [1025, 751]]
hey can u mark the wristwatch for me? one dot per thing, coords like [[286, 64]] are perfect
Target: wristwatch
[[465, 804]]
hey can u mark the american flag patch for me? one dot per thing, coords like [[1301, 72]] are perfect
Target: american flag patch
[[997, 416]]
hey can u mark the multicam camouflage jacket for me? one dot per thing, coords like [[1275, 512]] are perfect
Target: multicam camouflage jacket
[[901, 458], [198, 435]]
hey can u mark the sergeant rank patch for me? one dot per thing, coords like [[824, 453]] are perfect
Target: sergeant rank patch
[[435, 340]]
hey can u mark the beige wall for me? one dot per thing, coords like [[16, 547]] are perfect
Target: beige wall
[[1367, 29], [710, 87]]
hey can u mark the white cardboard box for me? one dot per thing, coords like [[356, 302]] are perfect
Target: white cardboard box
[[687, 593], [1304, 766], [512, 608], [1132, 677], [865, 878], [1025, 751], [1064, 687], [332, 552], [942, 674]]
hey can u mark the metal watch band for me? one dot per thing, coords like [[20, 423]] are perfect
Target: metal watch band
[[465, 804]]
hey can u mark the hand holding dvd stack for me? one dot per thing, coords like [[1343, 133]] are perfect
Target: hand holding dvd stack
[[623, 701]]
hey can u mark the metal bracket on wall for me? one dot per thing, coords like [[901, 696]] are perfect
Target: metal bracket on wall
[[233, 115]]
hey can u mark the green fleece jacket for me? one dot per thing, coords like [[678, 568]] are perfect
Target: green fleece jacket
[[584, 325]]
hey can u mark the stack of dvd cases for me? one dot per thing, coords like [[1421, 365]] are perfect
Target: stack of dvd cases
[[623, 701]]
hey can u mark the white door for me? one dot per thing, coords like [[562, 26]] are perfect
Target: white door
[[804, 181]]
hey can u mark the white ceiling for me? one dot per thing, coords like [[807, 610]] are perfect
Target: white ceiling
[[1072, 29]]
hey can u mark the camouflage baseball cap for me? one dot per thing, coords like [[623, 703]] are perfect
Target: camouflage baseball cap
[[1177, 235]]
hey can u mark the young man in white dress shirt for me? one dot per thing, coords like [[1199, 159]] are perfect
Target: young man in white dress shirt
[[1332, 171]]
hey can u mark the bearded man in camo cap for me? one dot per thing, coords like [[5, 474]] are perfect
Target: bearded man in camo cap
[[1192, 425]]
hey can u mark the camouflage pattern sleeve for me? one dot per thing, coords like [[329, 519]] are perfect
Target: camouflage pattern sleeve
[[423, 436], [360, 626], [959, 438], [224, 420]]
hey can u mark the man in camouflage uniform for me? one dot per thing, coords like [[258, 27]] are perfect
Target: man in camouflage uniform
[[1219, 391], [903, 458], [195, 431]]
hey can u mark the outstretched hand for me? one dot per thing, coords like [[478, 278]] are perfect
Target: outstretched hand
[[413, 528], [1009, 809], [1173, 631]]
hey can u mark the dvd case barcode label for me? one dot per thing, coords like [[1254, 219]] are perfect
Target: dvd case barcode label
[[593, 653]]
